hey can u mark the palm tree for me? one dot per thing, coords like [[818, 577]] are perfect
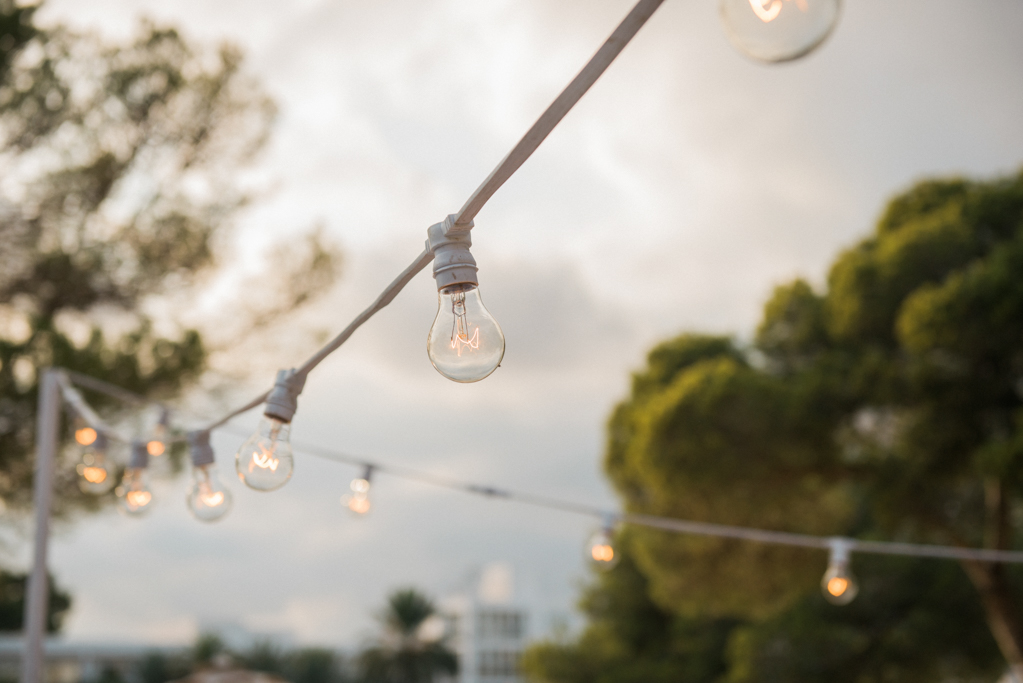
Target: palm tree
[[403, 654]]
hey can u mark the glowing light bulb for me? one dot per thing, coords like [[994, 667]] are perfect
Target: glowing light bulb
[[465, 343], [133, 495], [94, 474], [265, 462], [85, 435], [839, 585], [157, 444], [358, 500], [600, 551], [778, 30], [208, 499]]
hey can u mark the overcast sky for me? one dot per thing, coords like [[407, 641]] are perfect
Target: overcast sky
[[684, 187]]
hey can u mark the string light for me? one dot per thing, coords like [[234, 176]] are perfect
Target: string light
[[265, 462], [157, 444], [133, 495], [208, 499], [358, 500], [600, 550], [778, 30], [465, 343], [94, 475], [839, 585]]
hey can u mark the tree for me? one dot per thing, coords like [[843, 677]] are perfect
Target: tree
[[120, 184], [631, 639], [12, 603], [888, 406], [404, 655]]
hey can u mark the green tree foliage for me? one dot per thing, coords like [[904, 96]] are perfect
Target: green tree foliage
[[404, 655], [120, 178], [889, 406], [631, 639], [12, 603]]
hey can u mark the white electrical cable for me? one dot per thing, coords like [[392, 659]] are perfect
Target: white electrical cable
[[462, 221], [671, 524]]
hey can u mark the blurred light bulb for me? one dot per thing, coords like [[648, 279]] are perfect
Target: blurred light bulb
[[358, 500], [778, 30], [208, 499], [465, 343], [600, 551], [265, 461], [85, 435], [94, 475], [157, 445], [839, 585], [133, 495]]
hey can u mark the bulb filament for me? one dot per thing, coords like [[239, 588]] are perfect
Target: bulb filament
[[264, 460], [768, 10], [138, 499], [602, 552], [460, 329], [837, 586], [212, 499], [85, 436], [94, 475]]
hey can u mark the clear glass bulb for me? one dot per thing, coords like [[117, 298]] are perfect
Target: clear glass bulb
[[358, 500], [84, 434], [94, 474], [465, 343], [600, 551], [839, 585], [778, 30], [157, 445], [208, 499], [265, 461], [133, 495]]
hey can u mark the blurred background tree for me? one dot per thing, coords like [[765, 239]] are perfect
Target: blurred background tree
[[407, 652], [889, 406], [122, 180]]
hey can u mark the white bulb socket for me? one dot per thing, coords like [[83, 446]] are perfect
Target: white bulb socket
[[282, 402], [453, 263], [139, 459], [199, 448]]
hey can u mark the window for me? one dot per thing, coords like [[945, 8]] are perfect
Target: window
[[497, 624], [499, 663]]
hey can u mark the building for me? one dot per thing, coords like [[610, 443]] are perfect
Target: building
[[73, 662], [487, 628]]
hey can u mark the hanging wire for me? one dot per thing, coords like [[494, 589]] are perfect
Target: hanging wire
[[670, 524], [462, 222]]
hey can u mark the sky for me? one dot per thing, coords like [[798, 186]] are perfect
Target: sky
[[687, 184]]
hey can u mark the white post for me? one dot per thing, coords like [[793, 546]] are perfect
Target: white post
[[47, 422]]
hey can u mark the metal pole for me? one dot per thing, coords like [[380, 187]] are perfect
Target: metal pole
[[47, 421]]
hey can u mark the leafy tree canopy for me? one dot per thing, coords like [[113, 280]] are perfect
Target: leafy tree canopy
[[888, 406], [403, 654], [120, 186]]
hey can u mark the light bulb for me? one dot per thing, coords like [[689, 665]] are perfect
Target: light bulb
[[358, 500], [94, 474], [778, 30], [839, 585], [208, 499], [600, 551], [265, 461], [84, 434], [133, 495], [465, 343], [157, 444]]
